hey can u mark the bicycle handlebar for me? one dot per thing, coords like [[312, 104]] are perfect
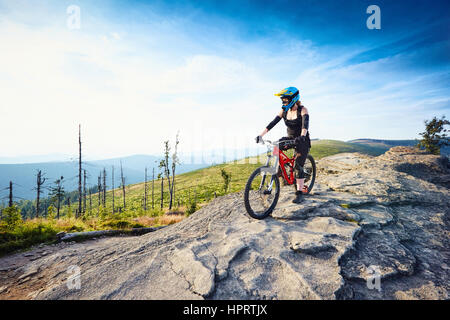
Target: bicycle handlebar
[[277, 142]]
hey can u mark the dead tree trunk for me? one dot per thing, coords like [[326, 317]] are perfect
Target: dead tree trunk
[[79, 170], [84, 191], [59, 195], [10, 194], [145, 190], [40, 181], [99, 186], [123, 185], [90, 201], [153, 189], [162, 191], [104, 187], [175, 161], [112, 189]]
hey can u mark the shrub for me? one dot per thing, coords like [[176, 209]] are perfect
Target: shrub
[[118, 224], [12, 218], [432, 139], [102, 213], [192, 208], [226, 179], [25, 235], [51, 213], [69, 213]]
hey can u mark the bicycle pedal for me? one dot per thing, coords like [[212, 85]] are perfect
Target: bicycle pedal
[[267, 192]]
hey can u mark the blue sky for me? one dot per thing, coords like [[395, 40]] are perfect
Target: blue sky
[[138, 71]]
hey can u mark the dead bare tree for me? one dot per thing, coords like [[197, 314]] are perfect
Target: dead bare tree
[[39, 181], [10, 194], [112, 189], [99, 187], [145, 190], [164, 165], [104, 187], [79, 171], [84, 191], [122, 178], [175, 161], [161, 175], [153, 189], [90, 201]]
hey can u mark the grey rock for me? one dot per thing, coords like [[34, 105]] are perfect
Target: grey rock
[[29, 271], [365, 212]]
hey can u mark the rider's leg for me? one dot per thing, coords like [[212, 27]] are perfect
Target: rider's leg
[[300, 158], [301, 154], [300, 183]]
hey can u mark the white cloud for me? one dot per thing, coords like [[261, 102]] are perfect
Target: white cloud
[[131, 92]]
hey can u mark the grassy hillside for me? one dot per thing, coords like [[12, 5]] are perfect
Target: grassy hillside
[[323, 148]]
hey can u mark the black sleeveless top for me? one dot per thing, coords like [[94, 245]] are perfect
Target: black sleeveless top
[[294, 127]]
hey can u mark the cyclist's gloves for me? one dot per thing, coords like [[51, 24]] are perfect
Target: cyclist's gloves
[[258, 139], [301, 139]]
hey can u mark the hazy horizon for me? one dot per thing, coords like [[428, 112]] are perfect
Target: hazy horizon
[[59, 157]]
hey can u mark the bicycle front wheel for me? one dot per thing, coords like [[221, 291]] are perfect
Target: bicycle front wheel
[[261, 193]]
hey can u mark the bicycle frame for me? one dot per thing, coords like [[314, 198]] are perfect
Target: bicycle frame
[[281, 160]]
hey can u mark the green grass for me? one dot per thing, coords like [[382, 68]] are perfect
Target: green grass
[[24, 234], [324, 148]]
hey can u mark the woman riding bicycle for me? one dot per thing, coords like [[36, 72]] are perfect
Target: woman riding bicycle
[[296, 118]]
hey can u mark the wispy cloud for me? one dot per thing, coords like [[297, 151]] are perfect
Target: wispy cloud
[[133, 83]]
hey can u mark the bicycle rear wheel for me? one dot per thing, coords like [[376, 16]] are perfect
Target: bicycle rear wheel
[[261, 193], [309, 168]]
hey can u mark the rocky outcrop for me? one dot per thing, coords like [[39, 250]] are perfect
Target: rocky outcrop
[[369, 219]]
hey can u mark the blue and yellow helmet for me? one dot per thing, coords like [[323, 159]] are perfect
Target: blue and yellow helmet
[[292, 93]]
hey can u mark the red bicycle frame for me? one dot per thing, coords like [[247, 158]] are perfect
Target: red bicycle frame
[[283, 159]]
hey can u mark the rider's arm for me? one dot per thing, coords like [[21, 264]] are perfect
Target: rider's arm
[[273, 123], [305, 121]]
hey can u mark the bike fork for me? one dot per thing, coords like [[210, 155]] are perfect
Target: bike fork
[[269, 189]]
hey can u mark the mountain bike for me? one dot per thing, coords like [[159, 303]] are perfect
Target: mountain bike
[[263, 186]]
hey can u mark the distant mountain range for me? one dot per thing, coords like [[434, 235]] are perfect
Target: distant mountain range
[[23, 175], [387, 144]]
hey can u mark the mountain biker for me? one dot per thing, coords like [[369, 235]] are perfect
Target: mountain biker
[[296, 118]]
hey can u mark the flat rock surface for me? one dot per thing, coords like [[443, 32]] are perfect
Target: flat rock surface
[[368, 219]]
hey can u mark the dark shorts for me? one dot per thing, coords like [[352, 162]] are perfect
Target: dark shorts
[[301, 152]]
